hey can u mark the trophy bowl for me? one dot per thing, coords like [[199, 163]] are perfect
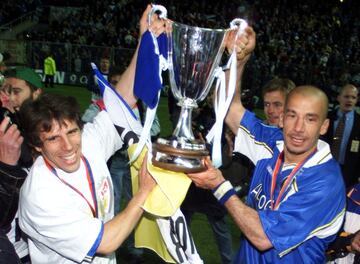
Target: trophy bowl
[[194, 54]]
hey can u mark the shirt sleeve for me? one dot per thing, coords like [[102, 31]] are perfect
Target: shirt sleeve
[[255, 139], [101, 135]]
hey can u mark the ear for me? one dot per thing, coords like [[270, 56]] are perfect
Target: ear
[[36, 93], [324, 127], [38, 149], [281, 120]]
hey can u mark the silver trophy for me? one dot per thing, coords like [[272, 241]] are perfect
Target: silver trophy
[[193, 55]]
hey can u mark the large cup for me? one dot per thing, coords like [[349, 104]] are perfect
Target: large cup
[[193, 55]]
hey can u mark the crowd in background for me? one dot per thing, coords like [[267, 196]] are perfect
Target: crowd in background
[[11, 10], [313, 42]]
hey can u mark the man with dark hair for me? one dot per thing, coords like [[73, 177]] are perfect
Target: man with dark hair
[[21, 84], [274, 94], [11, 178], [24, 83], [67, 198], [92, 83], [66, 203]]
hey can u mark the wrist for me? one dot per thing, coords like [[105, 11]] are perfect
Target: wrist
[[223, 192]]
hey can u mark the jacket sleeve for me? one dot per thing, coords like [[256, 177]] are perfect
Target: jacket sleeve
[[11, 180]]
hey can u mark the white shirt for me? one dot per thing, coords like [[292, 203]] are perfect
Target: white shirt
[[58, 221]]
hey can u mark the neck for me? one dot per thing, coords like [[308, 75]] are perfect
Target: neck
[[296, 158]]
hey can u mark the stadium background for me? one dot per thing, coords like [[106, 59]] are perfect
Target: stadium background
[[313, 42]]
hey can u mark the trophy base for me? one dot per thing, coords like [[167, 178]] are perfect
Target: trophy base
[[175, 156]]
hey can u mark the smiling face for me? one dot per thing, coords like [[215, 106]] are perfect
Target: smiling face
[[347, 98], [61, 146], [274, 102], [303, 122], [20, 91]]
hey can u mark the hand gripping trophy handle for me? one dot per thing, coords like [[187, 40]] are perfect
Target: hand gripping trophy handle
[[160, 10]]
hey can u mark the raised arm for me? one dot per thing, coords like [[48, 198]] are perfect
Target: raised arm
[[244, 47], [125, 87]]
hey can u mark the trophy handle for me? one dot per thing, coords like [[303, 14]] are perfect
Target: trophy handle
[[161, 10], [238, 23]]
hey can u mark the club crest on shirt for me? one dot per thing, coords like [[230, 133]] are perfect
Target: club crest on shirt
[[104, 195]]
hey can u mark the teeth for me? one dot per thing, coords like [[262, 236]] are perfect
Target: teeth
[[297, 139], [69, 157]]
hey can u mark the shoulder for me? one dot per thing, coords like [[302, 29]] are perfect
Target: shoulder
[[101, 122], [259, 130]]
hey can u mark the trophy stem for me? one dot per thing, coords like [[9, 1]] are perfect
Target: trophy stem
[[184, 127]]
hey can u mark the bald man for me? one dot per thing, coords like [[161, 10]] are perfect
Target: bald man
[[348, 153], [289, 216]]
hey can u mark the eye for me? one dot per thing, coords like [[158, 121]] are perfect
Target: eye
[[53, 139], [73, 132], [312, 118], [290, 115]]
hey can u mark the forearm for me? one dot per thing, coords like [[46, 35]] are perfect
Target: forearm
[[248, 221], [119, 228], [236, 109], [125, 86]]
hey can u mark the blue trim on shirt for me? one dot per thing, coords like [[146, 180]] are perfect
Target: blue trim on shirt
[[96, 244]]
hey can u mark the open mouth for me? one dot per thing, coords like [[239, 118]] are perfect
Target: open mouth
[[69, 159], [297, 140]]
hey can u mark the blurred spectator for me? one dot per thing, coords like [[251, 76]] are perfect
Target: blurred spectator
[[345, 144], [49, 70], [274, 95], [92, 84]]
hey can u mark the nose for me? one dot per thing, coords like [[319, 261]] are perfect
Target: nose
[[66, 143], [11, 97], [299, 125], [271, 107]]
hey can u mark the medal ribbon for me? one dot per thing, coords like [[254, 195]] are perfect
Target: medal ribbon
[[289, 179], [90, 180]]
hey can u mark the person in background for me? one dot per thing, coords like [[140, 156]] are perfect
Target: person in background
[[343, 134], [274, 95], [21, 84], [92, 85], [49, 70]]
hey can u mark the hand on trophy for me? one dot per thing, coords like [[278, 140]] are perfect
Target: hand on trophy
[[156, 24], [208, 179], [244, 44]]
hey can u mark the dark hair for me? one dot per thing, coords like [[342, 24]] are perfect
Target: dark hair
[[278, 84], [38, 115], [32, 87], [115, 70]]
